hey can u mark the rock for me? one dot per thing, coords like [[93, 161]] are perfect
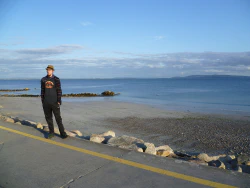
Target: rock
[[97, 138], [131, 147], [17, 119], [46, 128], [198, 161], [163, 153], [228, 166], [125, 141], [234, 163], [108, 93], [239, 169], [7, 119], [69, 133], [108, 133], [164, 147], [227, 159], [173, 155], [56, 130], [217, 163], [248, 163], [182, 154], [76, 132], [206, 158], [245, 168], [150, 148], [243, 158], [39, 125], [140, 150]]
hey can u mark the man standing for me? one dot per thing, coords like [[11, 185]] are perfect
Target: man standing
[[51, 93]]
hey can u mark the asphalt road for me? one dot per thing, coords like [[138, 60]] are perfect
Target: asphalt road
[[28, 159]]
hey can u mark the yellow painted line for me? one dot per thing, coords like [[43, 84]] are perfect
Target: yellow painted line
[[126, 162]]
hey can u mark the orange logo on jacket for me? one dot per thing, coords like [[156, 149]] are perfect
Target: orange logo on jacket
[[49, 84]]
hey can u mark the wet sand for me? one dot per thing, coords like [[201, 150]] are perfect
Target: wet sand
[[183, 131]]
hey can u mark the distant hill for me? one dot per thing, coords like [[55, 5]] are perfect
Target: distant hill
[[213, 76]]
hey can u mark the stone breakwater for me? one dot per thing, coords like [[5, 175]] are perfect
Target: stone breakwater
[[239, 163], [13, 90], [103, 94]]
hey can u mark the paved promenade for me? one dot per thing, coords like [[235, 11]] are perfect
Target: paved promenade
[[28, 159]]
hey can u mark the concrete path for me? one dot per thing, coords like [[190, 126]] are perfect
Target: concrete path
[[28, 159]]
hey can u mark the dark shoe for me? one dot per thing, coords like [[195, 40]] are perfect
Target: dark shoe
[[64, 136], [51, 135]]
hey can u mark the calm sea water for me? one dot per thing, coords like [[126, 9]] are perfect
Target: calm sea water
[[223, 95]]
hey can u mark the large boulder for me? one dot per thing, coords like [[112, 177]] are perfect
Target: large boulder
[[243, 158], [198, 162], [164, 150], [131, 147], [206, 158], [69, 133], [102, 137], [39, 125], [227, 158], [97, 138], [163, 153], [7, 119], [46, 128], [56, 130], [217, 163], [125, 141], [108, 133], [164, 147], [150, 148]]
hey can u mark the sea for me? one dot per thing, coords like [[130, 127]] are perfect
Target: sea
[[203, 94]]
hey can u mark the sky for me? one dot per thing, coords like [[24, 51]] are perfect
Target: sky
[[125, 38]]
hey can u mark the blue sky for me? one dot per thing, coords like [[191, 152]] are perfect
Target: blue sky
[[139, 38]]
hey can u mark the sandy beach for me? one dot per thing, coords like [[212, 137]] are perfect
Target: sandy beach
[[183, 131]]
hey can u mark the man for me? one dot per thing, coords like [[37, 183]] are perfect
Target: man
[[51, 93]]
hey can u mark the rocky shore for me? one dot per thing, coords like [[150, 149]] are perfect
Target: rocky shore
[[105, 93], [13, 90]]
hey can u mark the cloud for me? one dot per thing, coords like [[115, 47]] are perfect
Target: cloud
[[122, 64], [159, 37], [86, 23], [214, 71], [56, 50]]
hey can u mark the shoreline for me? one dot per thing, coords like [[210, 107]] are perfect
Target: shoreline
[[185, 131]]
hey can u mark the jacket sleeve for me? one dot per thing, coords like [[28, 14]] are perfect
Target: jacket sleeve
[[59, 91], [42, 90]]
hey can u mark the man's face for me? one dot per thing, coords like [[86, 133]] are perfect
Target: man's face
[[50, 72]]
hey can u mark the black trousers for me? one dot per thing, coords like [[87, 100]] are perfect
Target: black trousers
[[48, 108]]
